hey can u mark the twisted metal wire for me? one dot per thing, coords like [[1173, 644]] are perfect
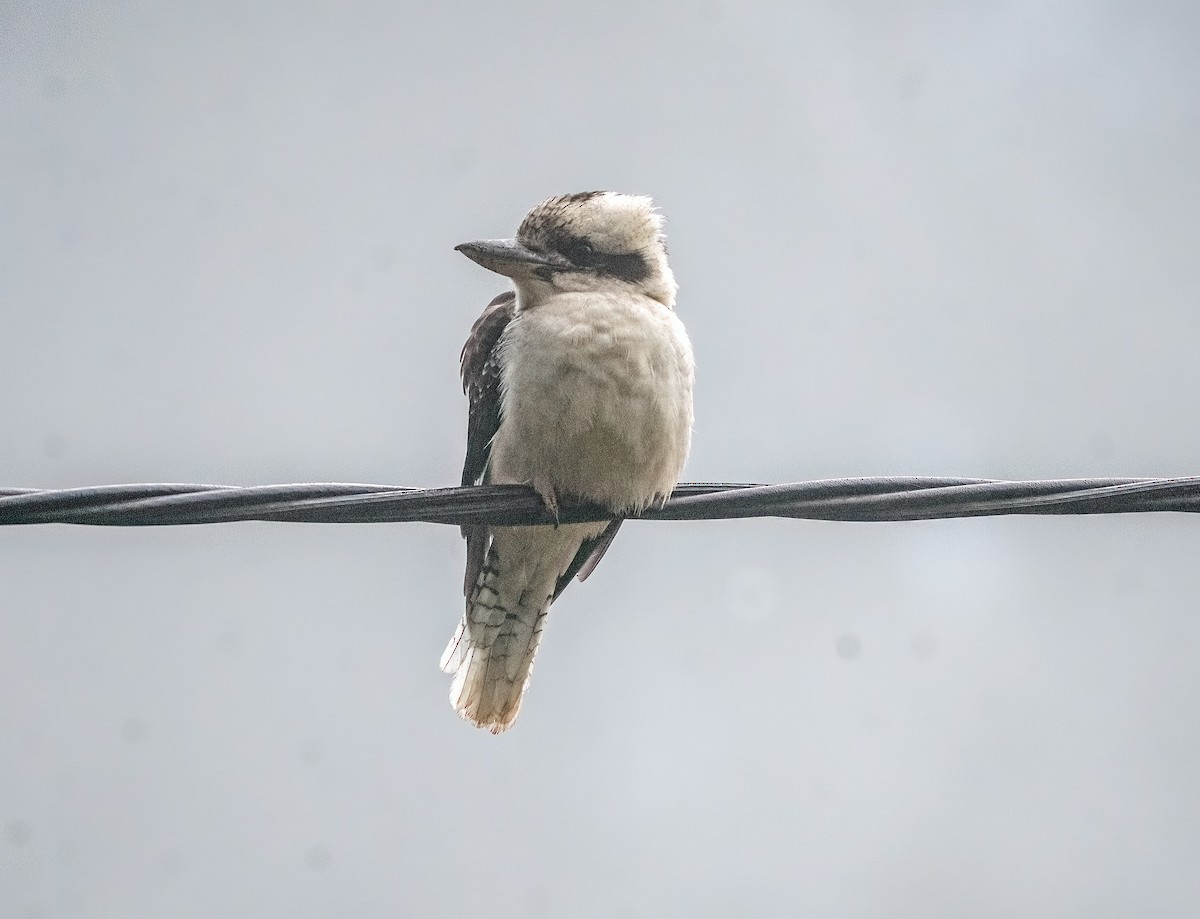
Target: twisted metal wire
[[856, 499]]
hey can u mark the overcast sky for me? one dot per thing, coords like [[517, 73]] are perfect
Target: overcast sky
[[911, 238]]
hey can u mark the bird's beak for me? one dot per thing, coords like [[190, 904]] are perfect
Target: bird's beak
[[506, 256]]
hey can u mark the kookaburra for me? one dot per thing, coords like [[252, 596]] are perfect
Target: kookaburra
[[580, 384]]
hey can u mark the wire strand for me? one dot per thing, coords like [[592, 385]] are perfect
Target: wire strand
[[856, 499]]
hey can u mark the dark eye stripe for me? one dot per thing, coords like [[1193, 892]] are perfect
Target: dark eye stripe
[[629, 267]]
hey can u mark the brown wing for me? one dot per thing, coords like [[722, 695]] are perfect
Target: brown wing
[[587, 558], [481, 383]]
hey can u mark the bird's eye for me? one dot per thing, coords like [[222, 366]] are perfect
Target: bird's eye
[[580, 252]]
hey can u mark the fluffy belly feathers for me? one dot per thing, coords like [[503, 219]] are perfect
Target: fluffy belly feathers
[[596, 399]]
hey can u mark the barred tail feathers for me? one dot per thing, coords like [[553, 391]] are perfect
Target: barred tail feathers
[[491, 654]]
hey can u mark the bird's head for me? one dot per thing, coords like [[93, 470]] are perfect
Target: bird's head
[[588, 241]]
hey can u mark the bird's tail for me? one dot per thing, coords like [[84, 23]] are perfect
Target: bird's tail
[[492, 651]]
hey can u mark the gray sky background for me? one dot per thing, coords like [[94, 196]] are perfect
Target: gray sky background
[[912, 238]]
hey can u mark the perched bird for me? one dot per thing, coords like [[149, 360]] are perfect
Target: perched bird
[[580, 384]]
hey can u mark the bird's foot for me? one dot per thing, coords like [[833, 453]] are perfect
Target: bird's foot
[[546, 490]]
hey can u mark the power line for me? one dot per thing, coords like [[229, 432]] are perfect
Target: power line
[[856, 499]]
